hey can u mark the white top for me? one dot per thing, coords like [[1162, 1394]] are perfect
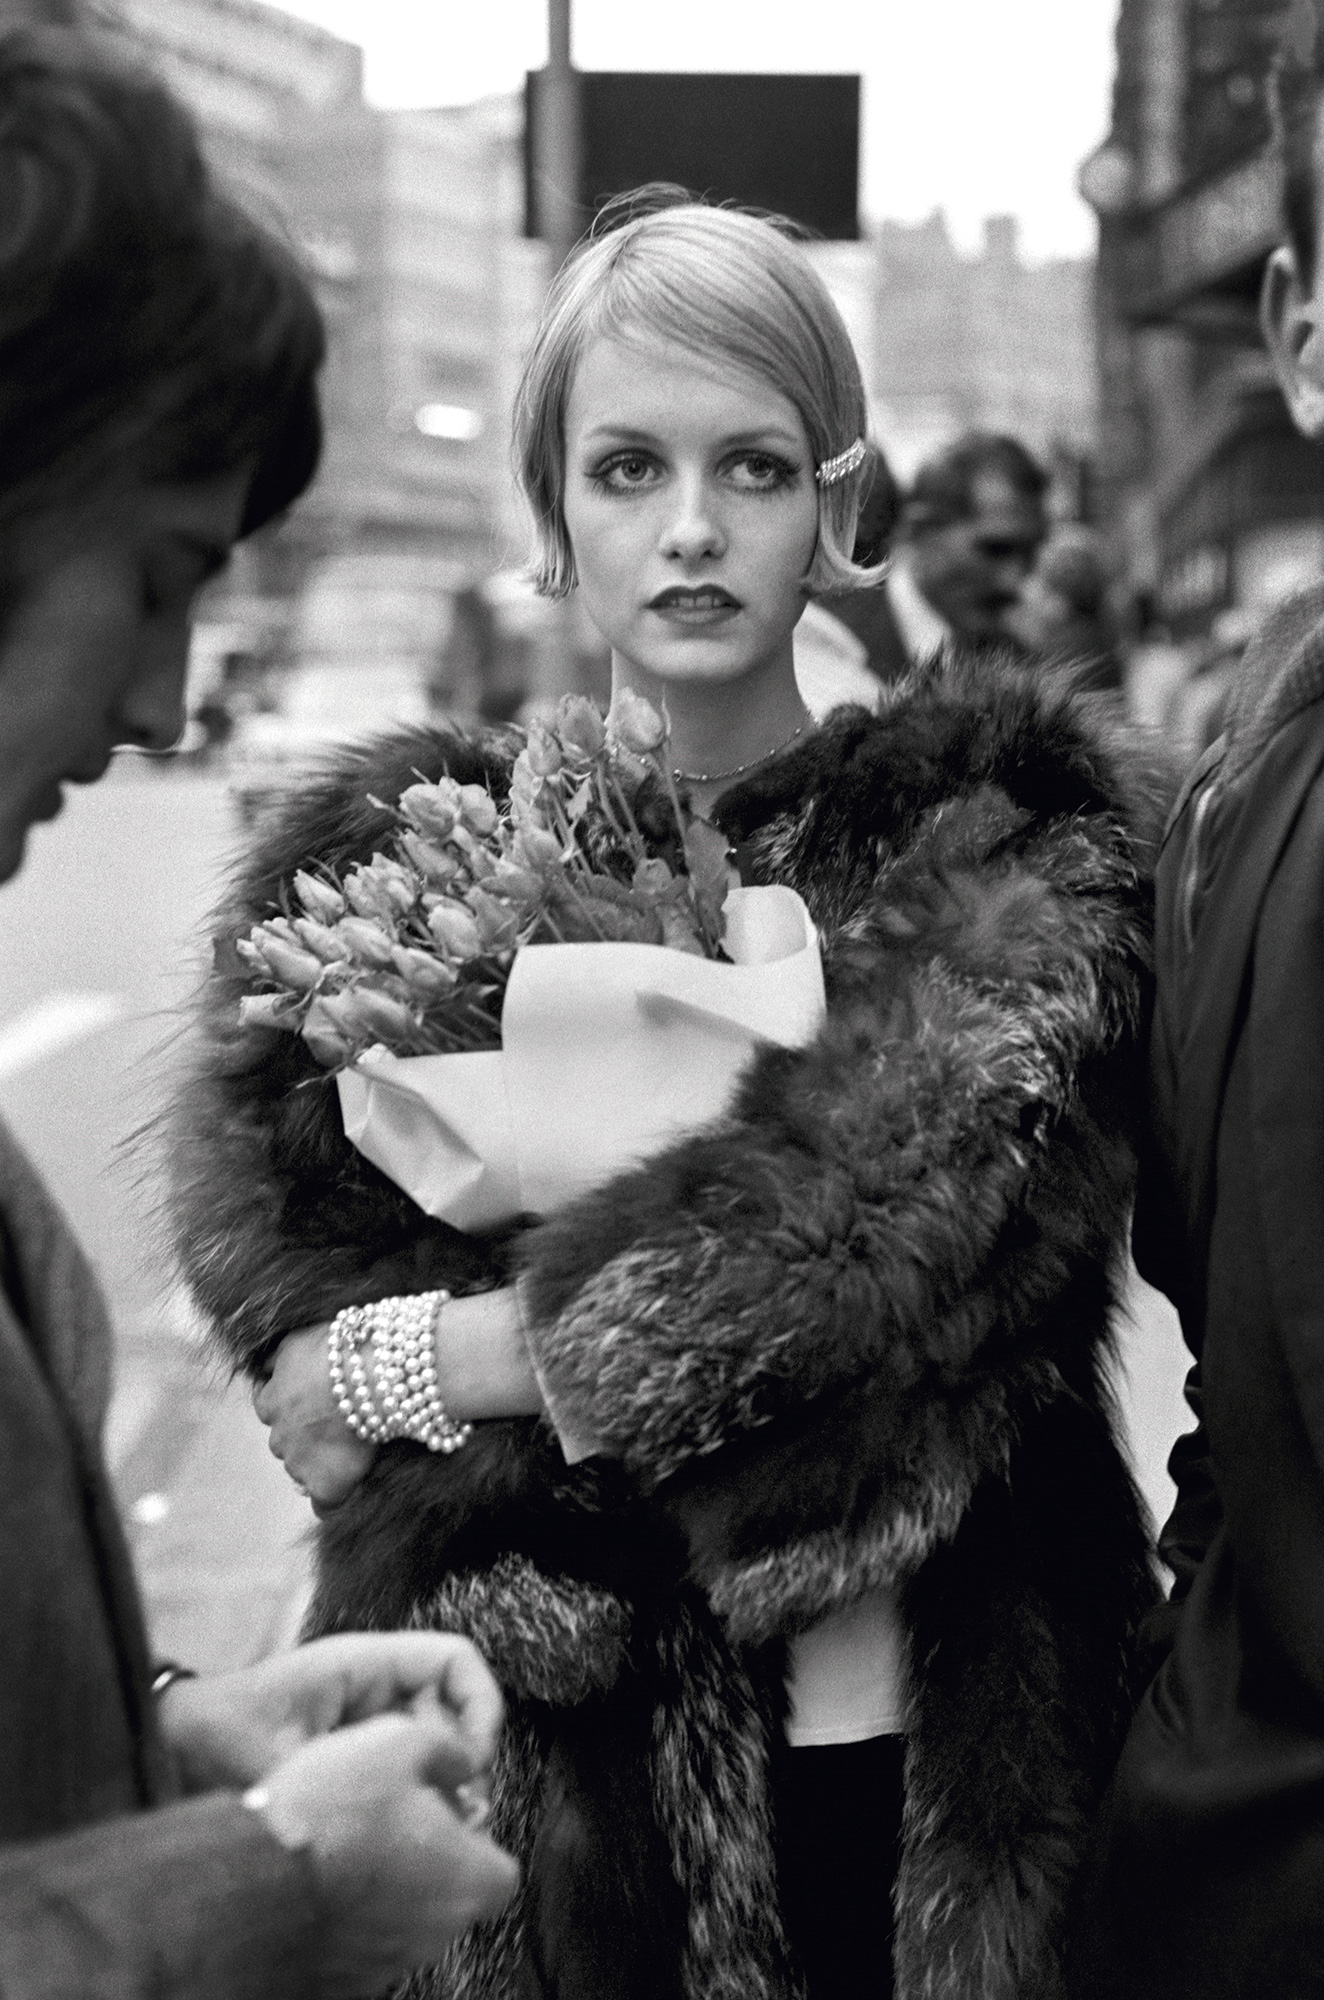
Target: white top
[[845, 1675], [846, 1679]]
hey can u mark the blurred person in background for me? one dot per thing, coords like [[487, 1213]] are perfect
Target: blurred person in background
[[972, 524], [792, 1516], [466, 659], [1206, 1883], [1063, 612], [158, 356], [1156, 664]]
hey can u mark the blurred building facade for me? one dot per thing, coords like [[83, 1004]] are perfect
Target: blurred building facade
[[985, 341], [423, 207], [243, 69], [1216, 505], [409, 225]]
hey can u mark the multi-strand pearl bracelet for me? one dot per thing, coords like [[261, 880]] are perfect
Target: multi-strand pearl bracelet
[[401, 1400]]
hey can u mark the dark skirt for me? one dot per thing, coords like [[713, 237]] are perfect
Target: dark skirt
[[838, 1810]]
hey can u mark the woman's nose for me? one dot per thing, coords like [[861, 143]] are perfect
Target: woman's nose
[[694, 530]]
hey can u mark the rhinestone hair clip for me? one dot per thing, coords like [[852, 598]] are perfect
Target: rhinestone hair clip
[[842, 466]]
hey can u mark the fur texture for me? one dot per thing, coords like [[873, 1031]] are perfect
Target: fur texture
[[854, 1333]]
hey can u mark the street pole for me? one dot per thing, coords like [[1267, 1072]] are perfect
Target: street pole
[[557, 160], [559, 140]]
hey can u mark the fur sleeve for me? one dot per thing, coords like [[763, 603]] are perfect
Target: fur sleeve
[[914, 1195]]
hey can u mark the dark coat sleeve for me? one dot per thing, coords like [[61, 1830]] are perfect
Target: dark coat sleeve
[[1263, 1355], [907, 1200], [194, 1902]]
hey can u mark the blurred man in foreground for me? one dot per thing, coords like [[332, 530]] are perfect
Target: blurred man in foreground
[[1208, 1877], [308, 1827]]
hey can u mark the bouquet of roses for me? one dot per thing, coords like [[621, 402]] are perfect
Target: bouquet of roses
[[412, 950], [490, 991]]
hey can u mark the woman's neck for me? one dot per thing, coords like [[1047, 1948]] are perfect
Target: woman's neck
[[719, 727]]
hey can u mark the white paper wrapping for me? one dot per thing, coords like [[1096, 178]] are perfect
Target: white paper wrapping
[[609, 1051]]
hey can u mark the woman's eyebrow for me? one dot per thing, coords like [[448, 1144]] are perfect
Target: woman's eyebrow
[[761, 434], [619, 434]]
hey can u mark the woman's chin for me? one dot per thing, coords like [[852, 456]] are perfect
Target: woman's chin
[[693, 664]]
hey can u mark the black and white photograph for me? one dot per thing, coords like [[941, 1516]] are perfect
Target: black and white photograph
[[661, 1000]]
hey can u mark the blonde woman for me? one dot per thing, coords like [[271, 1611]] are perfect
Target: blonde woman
[[792, 1519]]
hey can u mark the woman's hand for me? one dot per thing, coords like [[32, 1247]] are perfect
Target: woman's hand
[[308, 1434], [483, 1370]]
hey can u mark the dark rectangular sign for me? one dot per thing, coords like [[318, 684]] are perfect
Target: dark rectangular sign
[[787, 143]]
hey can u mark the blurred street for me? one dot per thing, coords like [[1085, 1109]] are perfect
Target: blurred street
[[97, 937], [99, 940]]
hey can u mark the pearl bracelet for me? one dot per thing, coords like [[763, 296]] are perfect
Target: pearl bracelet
[[402, 1399]]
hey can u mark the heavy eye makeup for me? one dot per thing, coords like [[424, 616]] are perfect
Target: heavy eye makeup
[[634, 470]]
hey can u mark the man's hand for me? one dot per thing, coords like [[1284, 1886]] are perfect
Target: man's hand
[[234, 1729], [401, 1873], [308, 1433]]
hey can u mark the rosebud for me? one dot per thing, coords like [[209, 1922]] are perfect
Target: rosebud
[[533, 847], [432, 809], [514, 884], [330, 1010], [579, 724], [706, 854], [324, 1034], [635, 723], [364, 895], [269, 1010], [289, 963], [432, 862], [526, 794], [367, 941], [382, 888], [542, 752], [498, 927], [455, 930], [319, 899], [379, 1015], [396, 882], [426, 975], [478, 809], [324, 943]]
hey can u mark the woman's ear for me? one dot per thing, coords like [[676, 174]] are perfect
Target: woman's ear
[[1290, 320]]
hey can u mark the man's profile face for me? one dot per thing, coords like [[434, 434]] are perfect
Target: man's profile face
[[1292, 315], [972, 571], [93, 652]]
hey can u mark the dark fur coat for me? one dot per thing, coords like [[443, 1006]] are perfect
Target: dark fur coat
[[856, 1333]]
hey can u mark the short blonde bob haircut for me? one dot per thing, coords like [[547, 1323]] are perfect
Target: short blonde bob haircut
[[726, 285]]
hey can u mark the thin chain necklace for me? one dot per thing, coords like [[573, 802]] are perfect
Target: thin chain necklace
[[739, 770]]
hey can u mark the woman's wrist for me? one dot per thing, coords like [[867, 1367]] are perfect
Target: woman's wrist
[[426, 1366], [381, 1363], [482, 1359]]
